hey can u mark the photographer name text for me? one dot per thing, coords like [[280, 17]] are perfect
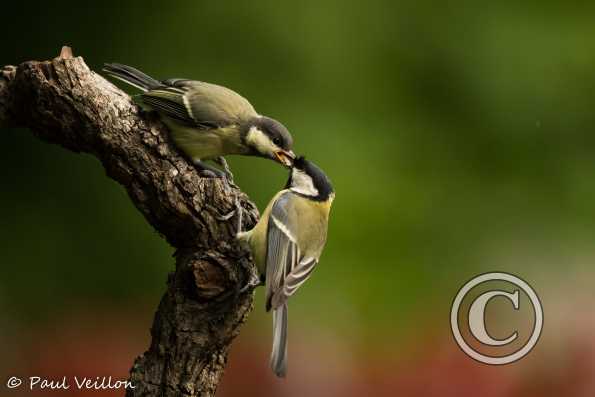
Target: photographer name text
[[66, 383]]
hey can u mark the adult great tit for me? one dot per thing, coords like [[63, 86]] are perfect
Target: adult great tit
[[287, 242], [208, 121]]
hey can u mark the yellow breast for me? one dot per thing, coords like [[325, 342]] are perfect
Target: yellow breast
[[205, 144]]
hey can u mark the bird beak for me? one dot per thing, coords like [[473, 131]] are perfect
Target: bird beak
[[285, 157]]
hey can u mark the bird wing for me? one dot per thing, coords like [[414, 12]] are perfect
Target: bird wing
[[199, 104], [286, 269], [171, 102]]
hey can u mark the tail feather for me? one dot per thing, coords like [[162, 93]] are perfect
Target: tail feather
[[279, 353], [131, 76]]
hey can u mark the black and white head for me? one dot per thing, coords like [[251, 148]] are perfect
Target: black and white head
[[306, 179], [269, 138]]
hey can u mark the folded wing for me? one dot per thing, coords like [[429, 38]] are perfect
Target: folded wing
[[198, 104], [286, 269]]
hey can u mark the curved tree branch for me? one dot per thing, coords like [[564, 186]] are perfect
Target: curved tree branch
[[63, 102]]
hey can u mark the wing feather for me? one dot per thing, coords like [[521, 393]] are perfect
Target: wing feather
[[170, 103], [286, 269], [298, 276], [215, 103], [197, 104]]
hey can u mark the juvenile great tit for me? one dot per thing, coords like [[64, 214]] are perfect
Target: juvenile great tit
[[287, 242], [208, 121]]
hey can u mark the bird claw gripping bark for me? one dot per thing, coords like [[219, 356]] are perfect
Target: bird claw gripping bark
[[255, 281], [238, 211], [228, 174]]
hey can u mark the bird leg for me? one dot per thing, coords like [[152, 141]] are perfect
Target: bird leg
[[240, 213], [223, 163], [219, 216], [236, 211], [207, 171], [255, 281], [210, 172], [229, 178]]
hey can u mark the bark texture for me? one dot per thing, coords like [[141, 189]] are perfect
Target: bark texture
[[63, 102]]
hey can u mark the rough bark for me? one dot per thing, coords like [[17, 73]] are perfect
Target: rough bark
[[63, 102]]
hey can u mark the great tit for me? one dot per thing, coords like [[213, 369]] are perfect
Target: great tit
[[208, 121], [287, 242]]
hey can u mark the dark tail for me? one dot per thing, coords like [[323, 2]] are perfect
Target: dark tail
[[279, 353], [131, 76]]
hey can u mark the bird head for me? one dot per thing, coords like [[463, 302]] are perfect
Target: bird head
[[269, 138], [307, 179]]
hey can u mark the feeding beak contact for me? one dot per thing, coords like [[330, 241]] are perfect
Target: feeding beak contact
[[285, 157]]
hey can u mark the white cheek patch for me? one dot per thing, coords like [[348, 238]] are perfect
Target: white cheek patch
[[302, 183], [257, 139]]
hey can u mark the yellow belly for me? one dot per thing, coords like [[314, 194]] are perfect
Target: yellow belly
[[205, 144]]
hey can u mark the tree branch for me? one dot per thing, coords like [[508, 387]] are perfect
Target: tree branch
[[63, 102]]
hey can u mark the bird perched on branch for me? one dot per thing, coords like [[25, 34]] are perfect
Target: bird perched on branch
[[208, 121], [287, 243]]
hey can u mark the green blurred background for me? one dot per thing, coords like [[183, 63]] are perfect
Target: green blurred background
[[460, 139]]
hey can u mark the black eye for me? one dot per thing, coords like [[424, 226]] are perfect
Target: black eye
[[277, 141]]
